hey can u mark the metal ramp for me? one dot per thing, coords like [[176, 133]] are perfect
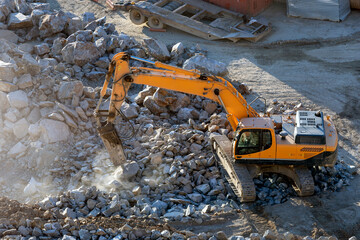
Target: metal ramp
[[199, 18]]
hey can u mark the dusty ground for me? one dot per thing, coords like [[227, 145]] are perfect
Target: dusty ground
[[317, 64]]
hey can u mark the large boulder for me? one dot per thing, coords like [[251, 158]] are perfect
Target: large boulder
[[157, 49], [54, 131], [205, 65], [18, 99], [52, 23], [80, 53], [19, 20]]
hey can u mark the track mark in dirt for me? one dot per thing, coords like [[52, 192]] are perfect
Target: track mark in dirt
[[351, 109]]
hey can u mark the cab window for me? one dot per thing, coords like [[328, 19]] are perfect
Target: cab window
[[248, 142], [266, 139], [252, 141]]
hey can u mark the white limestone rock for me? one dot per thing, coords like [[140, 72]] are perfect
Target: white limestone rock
[[54, 131], [18, 99], [16, 150], [20, 128], [25, 81]]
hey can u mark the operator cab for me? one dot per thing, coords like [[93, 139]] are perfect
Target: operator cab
[[253, 135], [259, 140]]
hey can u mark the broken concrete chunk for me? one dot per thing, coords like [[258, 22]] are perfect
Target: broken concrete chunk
[[29, 64], [58, 45], [23, 7], [17, 149], [9, 36], [41, 49], [20, 128], [205, 65], [19, 20], [7, 71], [148, 91], [150, 103], [88, 17], [178, 49], [185, 113], [4, 12], [95, 75], [127, 171], [54, 131], [68, 89], [34, 115], [163, 97], [80, 53], [25, 81], [18, 99], [182, 101], [209, 106], [52, 23], [129, 110], [34, 131], [74, 24], [4, 104], [7, 87], [157, 49]]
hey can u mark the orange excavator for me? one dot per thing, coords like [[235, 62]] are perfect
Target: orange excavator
[[284, 144]]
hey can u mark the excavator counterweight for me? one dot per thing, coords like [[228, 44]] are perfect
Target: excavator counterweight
[[288, 145]]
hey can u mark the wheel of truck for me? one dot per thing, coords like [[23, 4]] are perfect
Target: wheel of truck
[[154, 22], [137, 17]]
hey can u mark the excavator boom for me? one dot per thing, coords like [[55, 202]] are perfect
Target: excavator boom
[[177, 79]]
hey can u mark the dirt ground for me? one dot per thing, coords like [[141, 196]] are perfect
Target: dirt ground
[[314, 62]]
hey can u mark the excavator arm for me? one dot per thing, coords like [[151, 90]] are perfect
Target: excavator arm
[[167, 77]]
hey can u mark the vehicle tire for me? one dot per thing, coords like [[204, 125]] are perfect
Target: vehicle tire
[[137, 17], [154, 22]]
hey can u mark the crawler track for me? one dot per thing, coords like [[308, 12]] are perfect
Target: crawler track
[[238, 175]]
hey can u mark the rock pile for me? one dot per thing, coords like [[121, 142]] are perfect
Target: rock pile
[[42, 104], [61, 218], [48, 134]]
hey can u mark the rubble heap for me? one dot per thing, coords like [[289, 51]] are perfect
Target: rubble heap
[[49, 145]]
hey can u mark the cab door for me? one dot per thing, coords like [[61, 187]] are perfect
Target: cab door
[[247, 145], [267, 145]]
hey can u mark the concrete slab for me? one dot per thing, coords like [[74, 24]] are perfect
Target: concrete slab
[[290, 29]]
